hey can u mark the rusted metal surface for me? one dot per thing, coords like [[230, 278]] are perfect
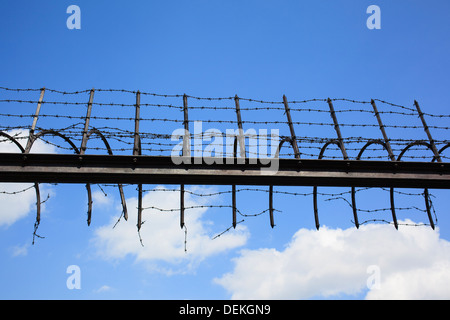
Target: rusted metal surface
[[182, 206], [83, 150], [233, 204], [35, 119], [291, 128], [338, 130], [67, 168], [427, 131], [272, 222], [186, 153], [241, 130], [86, 122], [387, 144], [27, 150], [233, 188], [137, 152], [428, 209], [136, 149]]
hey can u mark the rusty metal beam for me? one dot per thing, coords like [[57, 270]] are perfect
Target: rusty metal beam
[[72, 168]]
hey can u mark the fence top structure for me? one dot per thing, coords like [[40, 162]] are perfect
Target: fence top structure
[[309, 124], [331, 141]]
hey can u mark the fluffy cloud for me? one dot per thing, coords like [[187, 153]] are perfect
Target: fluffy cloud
[[411, 263], [104, 288], [17, 206], [164, 240], [17, 251], [100, 200]]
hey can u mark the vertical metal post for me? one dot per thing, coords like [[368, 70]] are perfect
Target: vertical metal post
[[136, 149], [296, 154], [241, 140], [241, 130], [89, 214], [86, 122], [316, 210], [83, 150], [35, 118], [344, 154], [427, 131], [123, 201], [182, 206], [272, 223], [291, 128], [233, 196], [437, 156], [427, 204], [394, 216], [355, 210], [381, 125], [391, 156], [38, 209], [186, 137], [139, 219], [233, 187], [338, 131], [186, 153], [27, 149], [136, 152]]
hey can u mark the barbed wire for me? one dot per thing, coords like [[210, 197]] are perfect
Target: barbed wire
[[226, 230], [198, 98], [166, 113], [18, 191], [167, 148], [392, 223]]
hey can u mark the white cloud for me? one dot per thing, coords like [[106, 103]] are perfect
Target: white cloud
[[100, 200], [18, 251], [162, 236], [430, 283], [21, 136], [17, 206], [414, 263], [104, 288]]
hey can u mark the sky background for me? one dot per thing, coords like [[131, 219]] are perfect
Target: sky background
[[256, 49]]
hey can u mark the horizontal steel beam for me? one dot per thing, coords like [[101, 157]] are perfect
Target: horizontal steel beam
[[73, 168]]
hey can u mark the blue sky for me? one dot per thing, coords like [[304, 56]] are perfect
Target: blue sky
[[256, 49]]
